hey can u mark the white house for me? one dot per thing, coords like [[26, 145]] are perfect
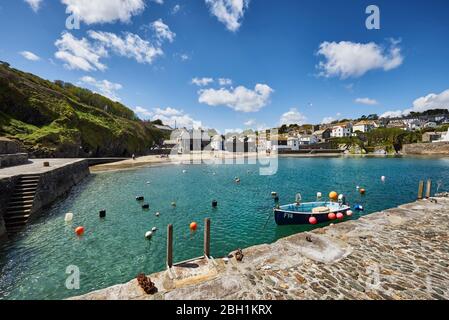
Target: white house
[[364, 126], [308, 139], [340, 131], [218, 143], [430, 124], [293, 143], [444, 137]]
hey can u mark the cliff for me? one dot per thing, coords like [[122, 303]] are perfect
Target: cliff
[[57, 119]]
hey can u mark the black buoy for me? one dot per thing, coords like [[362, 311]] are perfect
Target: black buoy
[[146, 206], [214, 203], [140, 198], [103, 214]]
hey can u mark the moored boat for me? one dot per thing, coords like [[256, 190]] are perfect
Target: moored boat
[[301, 213]]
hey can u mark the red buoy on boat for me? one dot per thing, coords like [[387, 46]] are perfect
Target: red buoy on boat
[[79, 231], [349, 213], [313, 220], [193, 226], [340, 216], [331, 216]]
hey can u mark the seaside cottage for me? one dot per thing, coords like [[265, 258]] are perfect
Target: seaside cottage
[[341, 130], [218, 143], [431, 136], [364, 126], [323, 135], [293, 143]]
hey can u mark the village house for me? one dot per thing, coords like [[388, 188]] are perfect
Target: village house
[[364, 126], [308, 139], [431, 136], [218, 143], [323, 135], [341, 130]]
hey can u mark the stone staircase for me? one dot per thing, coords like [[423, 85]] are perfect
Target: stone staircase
[[21, 203]]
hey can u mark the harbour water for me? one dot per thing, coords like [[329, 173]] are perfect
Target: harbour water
[[113, 250]]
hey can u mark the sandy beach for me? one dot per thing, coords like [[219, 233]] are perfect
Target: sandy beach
[[198, 158]]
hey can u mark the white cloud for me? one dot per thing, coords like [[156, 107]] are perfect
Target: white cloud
[[250, 123], [229, 12], [239, 99], [29, 56], [34, 4], [327, 120], [348, 59], [201, 82], [162, 31], [293, 116], [104, 87], [79, 54], [233, 131], [169, 116], [184, 57], [168, 112], [130, 46], [176, 9], [392, 114], [367, 101], [105, 11], [143, 113], [224, 82], [431, 101]]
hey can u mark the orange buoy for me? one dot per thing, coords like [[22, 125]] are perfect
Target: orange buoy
[[340, 216], [362, 191], [193, 226], [79, 231], [333, 196], [331, 216], [313, 220]]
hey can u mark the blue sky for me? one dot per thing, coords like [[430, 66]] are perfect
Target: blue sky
[[233, 64]]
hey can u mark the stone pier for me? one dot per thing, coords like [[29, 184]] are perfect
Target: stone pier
[[54, 181], [400, 253]]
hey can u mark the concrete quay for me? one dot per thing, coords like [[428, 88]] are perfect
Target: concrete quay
[[400, 253]]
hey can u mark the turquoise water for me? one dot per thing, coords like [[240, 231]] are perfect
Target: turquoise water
[[114, 250]]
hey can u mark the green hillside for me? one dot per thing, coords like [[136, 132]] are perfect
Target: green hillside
[[57, 119]]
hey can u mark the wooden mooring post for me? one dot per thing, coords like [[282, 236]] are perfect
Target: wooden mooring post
[[170, 246], [420, 190], [207, 237], [428, 189]]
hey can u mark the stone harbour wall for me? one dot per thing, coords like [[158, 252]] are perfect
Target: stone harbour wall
[[434, 148], [6, 188], [9, 160], [400, 254], [57, 183]]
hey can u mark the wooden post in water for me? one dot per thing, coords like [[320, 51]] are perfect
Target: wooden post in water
[[420, 190], [170, 246], [207, 237], [428, 189]]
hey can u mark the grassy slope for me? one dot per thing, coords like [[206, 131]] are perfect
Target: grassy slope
[[58, 119]]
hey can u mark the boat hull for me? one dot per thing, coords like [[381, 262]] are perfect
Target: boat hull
[[283, 217]]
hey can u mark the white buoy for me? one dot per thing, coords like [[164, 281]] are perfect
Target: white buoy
[[148, 235], [68, 217], [358, 187], [157, 214], [319, 195], [383, 178], [214, 174], [184, 171], [154, 229], [148, 182]]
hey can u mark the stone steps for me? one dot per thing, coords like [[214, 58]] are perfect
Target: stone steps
[[20, 205]]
